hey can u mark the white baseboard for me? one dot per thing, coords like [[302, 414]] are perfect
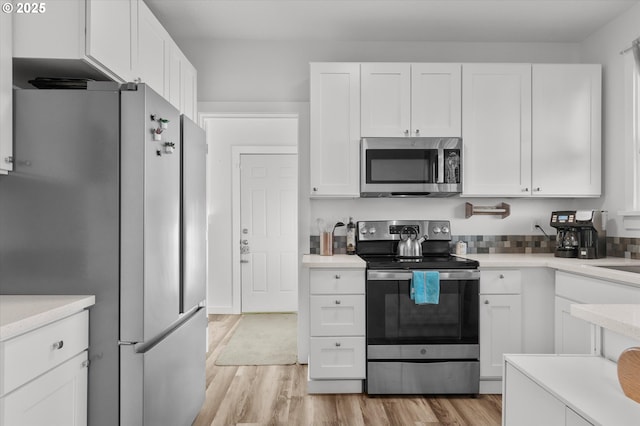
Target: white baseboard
[[223, 310], [491, 386]]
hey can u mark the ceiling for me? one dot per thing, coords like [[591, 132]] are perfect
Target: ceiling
[[387, 20]]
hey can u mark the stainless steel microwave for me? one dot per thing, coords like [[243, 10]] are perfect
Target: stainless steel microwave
[[410, 167]]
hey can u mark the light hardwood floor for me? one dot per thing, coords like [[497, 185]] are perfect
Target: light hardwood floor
[[277, 395]]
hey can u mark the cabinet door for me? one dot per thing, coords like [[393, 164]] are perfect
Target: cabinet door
[[566, 146], [572, 335], [6, 97], [436, 100], [335, 130], [188, 89], [496, 106], [151, 50], [173, 75], [500, 331], [110, 47], [525, 403], [386, 99], [57, 398]]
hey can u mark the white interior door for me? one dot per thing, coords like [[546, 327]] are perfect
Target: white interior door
[[269, 232]]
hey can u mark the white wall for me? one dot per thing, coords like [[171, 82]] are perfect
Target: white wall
[[223, 133], [604, 47]]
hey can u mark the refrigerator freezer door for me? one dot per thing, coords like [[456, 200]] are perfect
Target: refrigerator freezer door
[[165, 385], [150, 227], [194, 215]]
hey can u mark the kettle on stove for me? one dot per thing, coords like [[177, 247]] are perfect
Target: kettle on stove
[[410, 246]]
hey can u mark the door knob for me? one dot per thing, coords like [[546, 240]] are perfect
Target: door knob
[[244, 242]]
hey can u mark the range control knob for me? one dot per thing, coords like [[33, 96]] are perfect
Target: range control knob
[[445, 229], [372, 231], [363, 231], [436, 229]]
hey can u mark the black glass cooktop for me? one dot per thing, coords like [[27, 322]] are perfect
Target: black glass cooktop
[[426, 262]]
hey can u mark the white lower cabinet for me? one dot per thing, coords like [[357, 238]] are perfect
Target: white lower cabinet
[[531, 405], [500, 319], [573, 335], [564, 390], [57, 398], [337, 358], [43, 378]]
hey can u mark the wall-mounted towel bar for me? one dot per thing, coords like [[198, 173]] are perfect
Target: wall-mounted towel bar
[[502, 209]]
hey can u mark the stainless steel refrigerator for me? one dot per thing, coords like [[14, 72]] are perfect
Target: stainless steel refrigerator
[[108, 198]]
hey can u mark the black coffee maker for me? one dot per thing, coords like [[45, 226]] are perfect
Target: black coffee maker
[[581, 233]]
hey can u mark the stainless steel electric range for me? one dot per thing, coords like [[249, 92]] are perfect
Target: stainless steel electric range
[[419, 348]]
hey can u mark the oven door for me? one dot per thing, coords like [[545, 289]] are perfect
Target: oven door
[[410, 166], [394, 320]]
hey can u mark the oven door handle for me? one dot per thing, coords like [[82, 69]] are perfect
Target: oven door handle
[[448, 275]]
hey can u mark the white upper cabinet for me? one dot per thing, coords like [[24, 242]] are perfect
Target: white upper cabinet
[[118, 39], [401, 99], [436, 100], [152, 37], [386, 99], [99, 33], [566, 145], [531, 130], [496, 130], [335, 130], [6, 99], [111, 29]]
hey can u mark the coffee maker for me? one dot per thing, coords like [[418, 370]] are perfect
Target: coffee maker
[[581, 233]]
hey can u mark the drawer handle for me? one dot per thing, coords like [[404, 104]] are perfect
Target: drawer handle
[[337, 276], [338, 302], [58, 345], [337, 344]]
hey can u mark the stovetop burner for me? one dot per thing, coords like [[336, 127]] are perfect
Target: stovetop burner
[[425, 262]]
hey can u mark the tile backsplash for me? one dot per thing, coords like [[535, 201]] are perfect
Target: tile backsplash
[[616, 246]]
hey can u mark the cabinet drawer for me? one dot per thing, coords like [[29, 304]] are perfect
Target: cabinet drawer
[[507, 281], [337, 358], [337, 315], [332, 281], [27, 356]]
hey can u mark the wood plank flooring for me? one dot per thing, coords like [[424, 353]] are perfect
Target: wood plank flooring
[[277, 395]]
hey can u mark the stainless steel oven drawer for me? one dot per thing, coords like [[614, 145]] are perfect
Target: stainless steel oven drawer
[[415, 378]]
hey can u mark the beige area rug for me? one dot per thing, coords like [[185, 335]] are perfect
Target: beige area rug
[[262, 339]]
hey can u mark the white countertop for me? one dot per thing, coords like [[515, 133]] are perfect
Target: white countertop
[[335, 261], [623, 319], [587, 384], [587, 267], [20, 314]]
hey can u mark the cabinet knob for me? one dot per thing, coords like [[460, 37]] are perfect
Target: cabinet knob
[[315, 189], [501, 276], [58, 345], [417, 132], [486, 302], [525, 190], [337, 344], [337, 276], [536, 189], [406, 132], [338, 302]]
